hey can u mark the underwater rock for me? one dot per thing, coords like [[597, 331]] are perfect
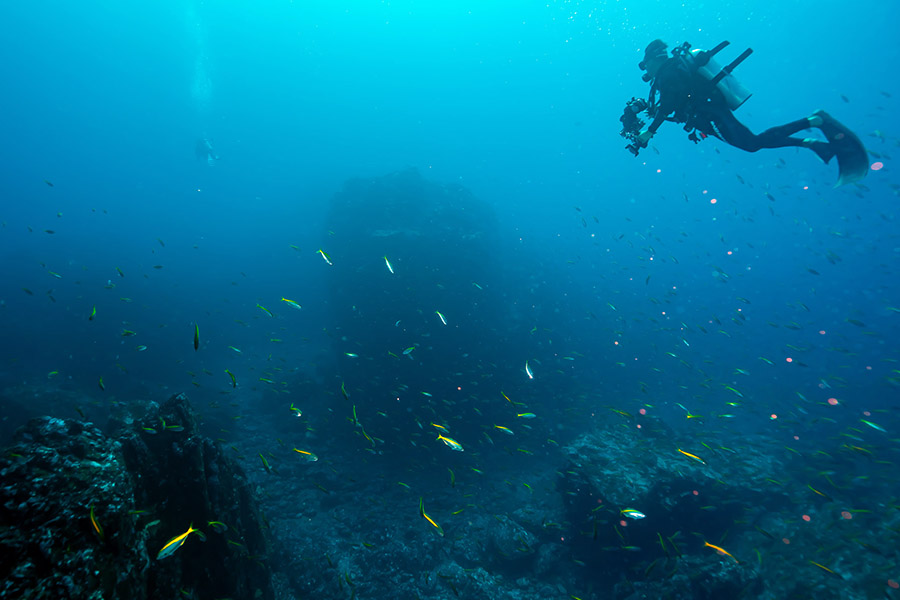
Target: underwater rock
[[652, 470], [655, 471], [403, 247], [404, 206], [509, 539], [697, 579], [85, 515], [186, 479], [59, 473]]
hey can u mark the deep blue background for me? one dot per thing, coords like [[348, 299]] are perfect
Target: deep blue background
[[519, 103]]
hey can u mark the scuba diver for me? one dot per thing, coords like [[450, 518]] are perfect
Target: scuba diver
[[205, 152], [690, 87]]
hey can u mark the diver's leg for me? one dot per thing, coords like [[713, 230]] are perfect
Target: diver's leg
[[737, 134], [733, 131], [779, 137]]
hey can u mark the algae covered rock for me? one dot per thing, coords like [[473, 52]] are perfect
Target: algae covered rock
[[58, 474], [84, 515]]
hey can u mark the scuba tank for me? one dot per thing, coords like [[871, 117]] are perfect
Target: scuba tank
[[703, 61]]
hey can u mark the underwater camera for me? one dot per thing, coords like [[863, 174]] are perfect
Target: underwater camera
[[632, 123]]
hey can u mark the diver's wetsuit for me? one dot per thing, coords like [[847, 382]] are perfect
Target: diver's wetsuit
[[689, 98]]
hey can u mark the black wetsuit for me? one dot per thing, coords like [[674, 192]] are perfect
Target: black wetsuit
[[687, 97]]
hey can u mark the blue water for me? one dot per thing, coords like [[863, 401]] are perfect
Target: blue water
[[628, 283]]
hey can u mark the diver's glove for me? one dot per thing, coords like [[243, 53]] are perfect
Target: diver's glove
[[644, 137]]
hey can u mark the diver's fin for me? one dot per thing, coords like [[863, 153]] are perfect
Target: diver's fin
[[824, 150], [852, 157]]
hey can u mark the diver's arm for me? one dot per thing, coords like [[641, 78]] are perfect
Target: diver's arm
[[664, 108], [660, 117], [644, 136]]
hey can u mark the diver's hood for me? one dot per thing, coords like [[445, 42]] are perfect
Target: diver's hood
[[655, 49]]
